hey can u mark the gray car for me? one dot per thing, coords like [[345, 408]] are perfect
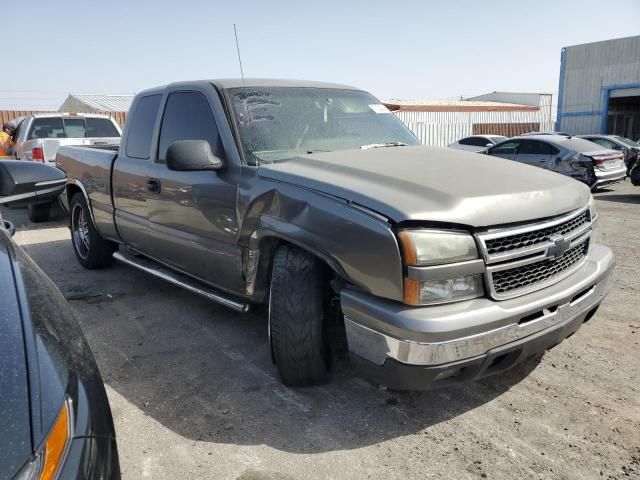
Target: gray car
[[575, 157], [313, 200]]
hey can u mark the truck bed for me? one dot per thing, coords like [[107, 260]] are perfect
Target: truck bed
[[92, 168]]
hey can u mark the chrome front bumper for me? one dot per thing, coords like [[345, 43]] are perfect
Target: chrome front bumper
[[379, 330]]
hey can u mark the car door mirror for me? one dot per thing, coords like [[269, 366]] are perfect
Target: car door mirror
[[489, 145], [192, 155], [23, 183]]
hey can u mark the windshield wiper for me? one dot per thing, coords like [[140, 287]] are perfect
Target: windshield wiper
[[383, 145]]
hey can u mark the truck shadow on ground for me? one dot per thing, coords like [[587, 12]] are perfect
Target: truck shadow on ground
[[635, 199], [205, 372]]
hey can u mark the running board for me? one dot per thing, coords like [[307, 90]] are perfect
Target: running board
[[182, 281]]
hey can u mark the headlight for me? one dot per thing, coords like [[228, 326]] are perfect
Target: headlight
[[427, 257], [434, 247], [48, 460], [593, 212]]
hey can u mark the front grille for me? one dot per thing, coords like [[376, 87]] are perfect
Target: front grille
[[529, 239], [512, 279]]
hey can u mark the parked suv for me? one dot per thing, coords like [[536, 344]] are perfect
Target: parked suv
[[39, 136], [575, 157], [313, 200]]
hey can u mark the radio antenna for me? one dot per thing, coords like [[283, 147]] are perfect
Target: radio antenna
[[235, 31]]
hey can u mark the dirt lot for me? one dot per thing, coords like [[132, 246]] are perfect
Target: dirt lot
[[194, 394]]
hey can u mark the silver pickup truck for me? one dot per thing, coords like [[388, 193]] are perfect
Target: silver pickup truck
[[437, 266], [39, 136]]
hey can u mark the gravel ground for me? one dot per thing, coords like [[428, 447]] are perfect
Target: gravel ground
[[194, 394]]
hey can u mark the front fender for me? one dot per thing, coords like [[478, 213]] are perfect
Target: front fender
[[359, 246]]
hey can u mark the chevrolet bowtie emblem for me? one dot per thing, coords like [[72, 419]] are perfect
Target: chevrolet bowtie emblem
[[560, 245]]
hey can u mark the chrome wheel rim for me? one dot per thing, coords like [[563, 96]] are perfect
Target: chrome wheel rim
[[80, 231]]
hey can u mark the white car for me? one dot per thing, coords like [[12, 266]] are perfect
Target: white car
[[477, 143]]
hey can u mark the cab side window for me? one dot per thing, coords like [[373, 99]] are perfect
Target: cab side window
[[142, 121], [187, 116], [509, 147], [532, 147]]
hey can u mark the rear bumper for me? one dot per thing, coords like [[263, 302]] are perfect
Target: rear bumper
[[417, 348], [604, 177]]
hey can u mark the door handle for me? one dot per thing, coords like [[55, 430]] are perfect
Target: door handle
[[153, 185]]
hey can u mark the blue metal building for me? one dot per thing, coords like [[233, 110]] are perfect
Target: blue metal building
[[599, 90]]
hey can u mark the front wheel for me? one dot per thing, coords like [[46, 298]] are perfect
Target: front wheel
[[92, 251], [296, 318]]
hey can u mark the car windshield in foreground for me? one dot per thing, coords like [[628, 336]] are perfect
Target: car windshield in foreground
[[497, 138], [277, 123]]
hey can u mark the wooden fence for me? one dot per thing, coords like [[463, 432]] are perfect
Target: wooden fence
[[506, 129], [6, 115]]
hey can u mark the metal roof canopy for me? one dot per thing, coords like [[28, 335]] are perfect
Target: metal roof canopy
[[98, 102]]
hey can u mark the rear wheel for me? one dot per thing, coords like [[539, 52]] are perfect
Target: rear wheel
[[40, 212], [91, 250], [296, 318]]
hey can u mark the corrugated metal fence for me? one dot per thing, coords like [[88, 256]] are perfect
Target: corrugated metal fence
[[6, 115], [441, 128]]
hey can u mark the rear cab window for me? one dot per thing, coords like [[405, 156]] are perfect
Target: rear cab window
[[101, 128], [141, 123], [48, 127], [72, 127]]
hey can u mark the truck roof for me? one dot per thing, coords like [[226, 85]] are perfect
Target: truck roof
[[225, 83], [61, 114], [275, 82]]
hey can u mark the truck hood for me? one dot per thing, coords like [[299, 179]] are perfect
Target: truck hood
[[434, 184]]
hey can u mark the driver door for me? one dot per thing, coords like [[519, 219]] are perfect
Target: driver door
[[192, 214], [535, 153]]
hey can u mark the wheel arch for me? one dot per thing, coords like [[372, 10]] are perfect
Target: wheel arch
[[75, 186], [261, 252]]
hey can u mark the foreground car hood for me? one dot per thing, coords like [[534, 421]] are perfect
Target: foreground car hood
[[434, 184]]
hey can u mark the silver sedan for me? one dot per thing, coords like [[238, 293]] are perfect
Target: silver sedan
[[578, 158]]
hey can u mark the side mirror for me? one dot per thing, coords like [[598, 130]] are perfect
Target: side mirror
[[489, 145], [192, 155], [24, 183]]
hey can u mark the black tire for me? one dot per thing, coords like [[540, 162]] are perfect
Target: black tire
[[40, 212], [92, 251], [296, 317]]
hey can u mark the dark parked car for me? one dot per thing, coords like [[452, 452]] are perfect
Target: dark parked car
[[574, 157], [629, 148], [55, 421]]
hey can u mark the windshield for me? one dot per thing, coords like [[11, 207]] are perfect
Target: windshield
[[626, 141], [276, 123], [497, 138]]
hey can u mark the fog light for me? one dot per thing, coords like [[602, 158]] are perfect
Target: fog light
[[443, 291]]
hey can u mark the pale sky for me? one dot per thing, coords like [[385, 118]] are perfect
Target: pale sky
[[395, 49]]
